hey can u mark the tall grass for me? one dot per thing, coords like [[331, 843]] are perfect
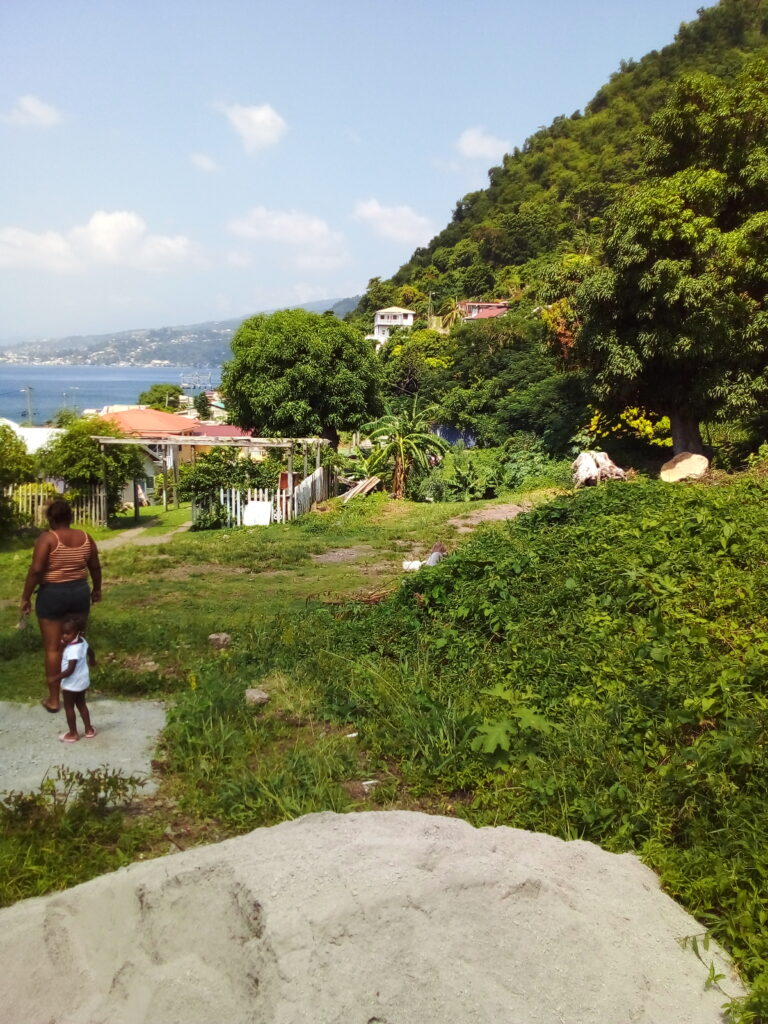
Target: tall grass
[[596, 669]]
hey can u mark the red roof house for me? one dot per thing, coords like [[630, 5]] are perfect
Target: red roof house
[[152, 423]]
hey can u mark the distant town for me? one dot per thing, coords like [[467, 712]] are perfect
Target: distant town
[[204, 344]]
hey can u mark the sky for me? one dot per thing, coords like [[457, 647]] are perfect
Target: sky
[[170, 162]]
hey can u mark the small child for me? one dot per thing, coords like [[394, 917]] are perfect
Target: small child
[[76, 656]]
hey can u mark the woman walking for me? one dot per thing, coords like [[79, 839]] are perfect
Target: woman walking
[[62, 559]]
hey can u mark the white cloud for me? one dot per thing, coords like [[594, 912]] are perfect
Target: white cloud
[[400, 223], [204, 163], [119, 238], [28, 250], [31, 110], [258, 127], [314, 245], [477, 144]]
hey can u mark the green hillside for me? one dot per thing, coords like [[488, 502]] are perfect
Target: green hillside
[[549, 197]]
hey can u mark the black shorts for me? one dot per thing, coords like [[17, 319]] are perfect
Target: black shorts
[[58, 600]]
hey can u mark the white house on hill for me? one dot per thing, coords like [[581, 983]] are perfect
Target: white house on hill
[[385, 321]]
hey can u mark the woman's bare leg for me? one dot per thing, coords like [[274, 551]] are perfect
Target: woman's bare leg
[[50, 630]]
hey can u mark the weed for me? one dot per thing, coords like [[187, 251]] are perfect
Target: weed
[[69, 830]]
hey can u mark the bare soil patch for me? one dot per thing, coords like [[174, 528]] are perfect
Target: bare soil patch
[[489, 514], [191, 571], [339, 555]]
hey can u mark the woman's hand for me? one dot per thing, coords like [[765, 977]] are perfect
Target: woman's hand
[[26, 606], [95, 595]]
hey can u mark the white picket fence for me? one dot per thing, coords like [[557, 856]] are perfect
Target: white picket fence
[[31, 501], [286, 504]]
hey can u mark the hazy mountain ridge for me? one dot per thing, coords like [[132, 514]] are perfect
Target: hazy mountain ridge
[[204, 344]]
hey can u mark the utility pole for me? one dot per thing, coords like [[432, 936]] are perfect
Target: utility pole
[[29, 390]]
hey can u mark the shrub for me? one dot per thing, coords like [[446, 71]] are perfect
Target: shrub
[[595, 669], [77, 459]]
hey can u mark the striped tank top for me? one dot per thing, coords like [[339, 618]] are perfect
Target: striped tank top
[[65, 565]]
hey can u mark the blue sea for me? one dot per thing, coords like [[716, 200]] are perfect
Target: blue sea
[[44, 389]]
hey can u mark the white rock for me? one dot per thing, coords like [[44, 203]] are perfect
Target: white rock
[[590, 468], [684, 466], [219, 640], [254, 696], [390, 916]]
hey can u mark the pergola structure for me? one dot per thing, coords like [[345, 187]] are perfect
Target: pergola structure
[[172, 444]]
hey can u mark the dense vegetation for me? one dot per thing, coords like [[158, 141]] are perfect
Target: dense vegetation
[[551, 195], [80, 461], [299, 374], [595, 669], [165, 397], [673, 266]]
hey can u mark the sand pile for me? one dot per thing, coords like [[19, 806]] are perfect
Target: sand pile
[[394, 918]]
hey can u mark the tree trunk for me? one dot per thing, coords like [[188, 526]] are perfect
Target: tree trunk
[[398, 478], [686, 434], [331, 434]]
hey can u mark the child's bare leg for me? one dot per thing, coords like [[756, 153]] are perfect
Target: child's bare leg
[[69, 709], [82, 707]]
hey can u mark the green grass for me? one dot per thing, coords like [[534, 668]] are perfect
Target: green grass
[[595, 669], [225, 768], [162, 601]]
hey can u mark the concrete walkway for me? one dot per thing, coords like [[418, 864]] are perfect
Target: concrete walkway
[[127, 732]]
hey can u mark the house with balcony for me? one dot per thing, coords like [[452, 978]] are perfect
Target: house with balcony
[[385, 321]]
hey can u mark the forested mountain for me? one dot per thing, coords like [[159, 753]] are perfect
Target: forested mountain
[[627, 259], [206, 344], [550, 196]]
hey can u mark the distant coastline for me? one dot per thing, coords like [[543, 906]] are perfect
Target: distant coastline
[[34, 392], [156, 365], [203, 345]]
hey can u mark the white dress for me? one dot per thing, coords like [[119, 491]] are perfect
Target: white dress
[[80, 679]]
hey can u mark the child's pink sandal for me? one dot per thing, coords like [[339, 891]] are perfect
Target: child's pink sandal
[[68, 739], [91, 734]]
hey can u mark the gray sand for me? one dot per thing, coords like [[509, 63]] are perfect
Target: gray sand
[[388, 917], [127, 733]]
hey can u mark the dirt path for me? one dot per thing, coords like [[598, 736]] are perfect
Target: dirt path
[[465, 523], [489, 514], [137, 537]]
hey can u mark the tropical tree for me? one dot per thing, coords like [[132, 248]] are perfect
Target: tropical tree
[[403, 440], [15, 462], [77, 459], [415, 363], [162, 396], [202, 405], [296, 374], [676, 320], [452, 313], [227, 467], [15, 467]]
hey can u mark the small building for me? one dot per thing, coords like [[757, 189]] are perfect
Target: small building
[[471, 310], [385, 321], [34, 438]]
